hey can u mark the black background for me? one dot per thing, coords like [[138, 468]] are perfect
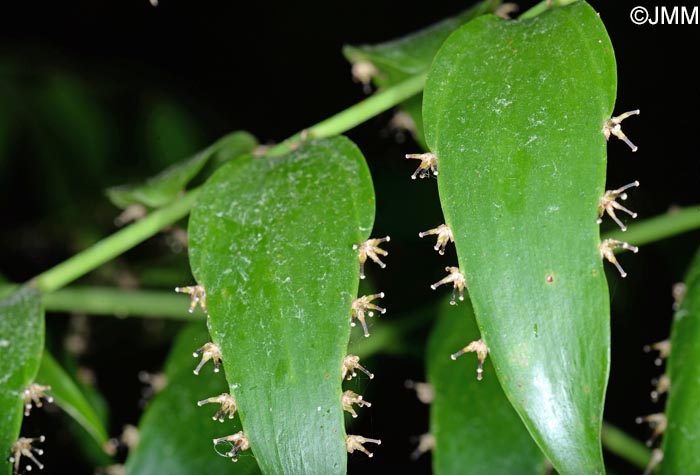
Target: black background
[[274, 68]]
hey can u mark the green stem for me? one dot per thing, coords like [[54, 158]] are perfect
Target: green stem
[[355, 115], [542, 7], [112, 246], [623, 445], [659, 227], [111, 301], [121, 241]]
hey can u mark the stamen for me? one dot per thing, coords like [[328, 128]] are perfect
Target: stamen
[[33, 394], [24, 447], [370, 248], [199, 296], [426, 443], [481, 350], [444, 236], [607, 248], [210, 351], [609, 205], [428, 164], [363, 305], [350, 364], [349, 398], [612, 126], [657, 422], [228, 406], [663, 347], [425, 392], [239, 443], [457, 279], [354, 442]]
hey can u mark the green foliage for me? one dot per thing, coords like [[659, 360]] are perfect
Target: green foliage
[[272, 240], [680, 442], [175, 434], [411, 55], [476, 429], [168, 184], [21, 343], [170, 132], [68, 396], [514, 111], [522, 170]]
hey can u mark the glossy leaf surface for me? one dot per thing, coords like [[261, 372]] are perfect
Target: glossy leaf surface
[[271, 241], [175, 434], [68, 396], [21, 344], [680, 441], [476, 429], [514, 111], [165, 187]]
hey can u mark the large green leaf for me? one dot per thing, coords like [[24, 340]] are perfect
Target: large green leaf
[[175, 434], [476, 429], [410, 55], [514, 111], [21, 343], [68, 396], [165, 187], [272, 240], [681, 444]]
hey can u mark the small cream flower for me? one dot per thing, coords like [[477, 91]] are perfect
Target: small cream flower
[[354, 442], [481, 350], [199, 296], [612, 127], [456, 278], [370, 248], [228, 406], [210, 351]]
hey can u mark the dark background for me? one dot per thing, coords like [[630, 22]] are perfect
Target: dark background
[[88, 95]]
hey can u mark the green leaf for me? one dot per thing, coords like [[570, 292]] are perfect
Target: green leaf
[[514, 112], [168, 184], [21, 342], [410, 55], [680, 441], [68, 396], [79, 127], [271, 241], [175, 434], [170, 131], [476, 429]]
